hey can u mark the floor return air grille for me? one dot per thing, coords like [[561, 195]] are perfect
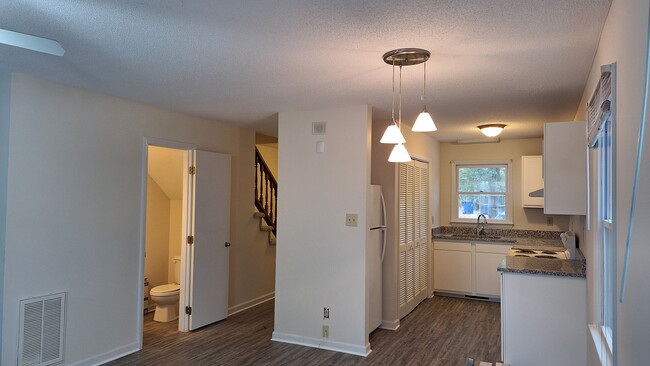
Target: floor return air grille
[[41, 327]]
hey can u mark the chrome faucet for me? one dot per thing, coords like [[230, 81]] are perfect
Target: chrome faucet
[[480, 226]]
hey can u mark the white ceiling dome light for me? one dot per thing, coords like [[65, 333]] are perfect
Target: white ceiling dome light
[[492, 129]]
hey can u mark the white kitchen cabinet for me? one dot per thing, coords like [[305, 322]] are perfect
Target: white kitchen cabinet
[[543, 320], [531, 180], [468, 268], [565, 168], [452, 267], [487, 259]]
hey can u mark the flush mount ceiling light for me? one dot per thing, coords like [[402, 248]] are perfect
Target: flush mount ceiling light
[[393, 135], [491, 130], [30, 42]]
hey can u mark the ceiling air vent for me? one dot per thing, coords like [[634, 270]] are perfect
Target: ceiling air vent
[[318, 128], [41, 328]]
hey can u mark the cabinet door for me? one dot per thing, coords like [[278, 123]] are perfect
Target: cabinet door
[[452, 271], [565, 168], [488, 279], [487, 258], [531, 180]]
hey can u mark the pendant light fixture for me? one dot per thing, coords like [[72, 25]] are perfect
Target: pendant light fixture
[[402, 57], [424, 122], [393, 134]]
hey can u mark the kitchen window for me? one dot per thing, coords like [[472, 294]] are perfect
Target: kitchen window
[[481, 188], [602, 215]]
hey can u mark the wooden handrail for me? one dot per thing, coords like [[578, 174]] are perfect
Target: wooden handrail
[[266, 191]]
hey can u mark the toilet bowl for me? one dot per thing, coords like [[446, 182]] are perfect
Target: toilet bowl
[[166, 297]]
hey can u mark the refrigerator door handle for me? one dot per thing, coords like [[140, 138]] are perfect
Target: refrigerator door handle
[[383, 223]]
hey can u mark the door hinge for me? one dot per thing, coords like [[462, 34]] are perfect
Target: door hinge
[[190, 239], [188, 310], [192, 170]]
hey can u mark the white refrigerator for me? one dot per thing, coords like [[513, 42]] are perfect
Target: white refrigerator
[[375, 250]]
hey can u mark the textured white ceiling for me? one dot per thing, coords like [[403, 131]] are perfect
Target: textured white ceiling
[[519, 62]]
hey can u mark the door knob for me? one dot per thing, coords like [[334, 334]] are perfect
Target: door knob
[[227, 244]]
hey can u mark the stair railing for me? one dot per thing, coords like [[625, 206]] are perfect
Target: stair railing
[[266, 191]]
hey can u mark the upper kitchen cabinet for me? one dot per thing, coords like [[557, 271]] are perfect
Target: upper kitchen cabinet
[[565, 168], [532, 181]]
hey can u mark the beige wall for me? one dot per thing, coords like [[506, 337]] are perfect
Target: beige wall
[[157, 240], [270, 154], [513, 150], [81, 231], [175, 235]]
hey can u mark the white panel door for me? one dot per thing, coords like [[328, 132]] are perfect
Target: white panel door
[[210, 251]]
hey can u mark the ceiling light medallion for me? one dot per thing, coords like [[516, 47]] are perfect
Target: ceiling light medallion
[[393, 135], [492, 130]]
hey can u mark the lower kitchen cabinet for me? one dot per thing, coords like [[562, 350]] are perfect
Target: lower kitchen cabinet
[[468, 268], [543, 320], [488, 279], [452, 267]]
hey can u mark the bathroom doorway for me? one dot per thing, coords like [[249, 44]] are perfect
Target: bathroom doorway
[[186, 216], [163, 238]]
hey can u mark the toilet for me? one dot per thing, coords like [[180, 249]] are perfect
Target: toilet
[[166, 296]]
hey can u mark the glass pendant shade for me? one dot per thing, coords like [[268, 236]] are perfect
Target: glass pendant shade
[[424, 122], [399, 154], [392, 136], [491, 130]]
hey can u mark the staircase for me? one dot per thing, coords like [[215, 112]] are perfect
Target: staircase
[[266, 197]]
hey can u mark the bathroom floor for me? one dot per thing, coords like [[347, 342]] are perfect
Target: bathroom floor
[[155, 332]]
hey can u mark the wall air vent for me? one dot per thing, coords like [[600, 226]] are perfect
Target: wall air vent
[[41, 326]]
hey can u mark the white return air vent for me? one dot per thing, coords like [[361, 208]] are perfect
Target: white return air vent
[[41, 325]]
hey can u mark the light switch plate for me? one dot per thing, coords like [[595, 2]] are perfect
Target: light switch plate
[[351, 219]]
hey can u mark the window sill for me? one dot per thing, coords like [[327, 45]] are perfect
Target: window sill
[[602, 344]]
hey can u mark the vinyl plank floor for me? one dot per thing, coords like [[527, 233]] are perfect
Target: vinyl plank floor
[[440, 331]]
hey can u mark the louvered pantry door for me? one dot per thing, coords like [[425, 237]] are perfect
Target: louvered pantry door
[[413, 201]]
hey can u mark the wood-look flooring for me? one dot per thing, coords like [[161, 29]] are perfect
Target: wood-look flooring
[[440, 331]]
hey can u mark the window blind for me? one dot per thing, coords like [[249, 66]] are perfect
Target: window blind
[[600, 105]]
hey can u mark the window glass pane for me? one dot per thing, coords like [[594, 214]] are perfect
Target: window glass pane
[[493, 206], [481, 179]]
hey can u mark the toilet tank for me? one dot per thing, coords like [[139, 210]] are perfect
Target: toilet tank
[[177, 269]]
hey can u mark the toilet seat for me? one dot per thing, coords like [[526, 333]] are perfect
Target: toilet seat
[[169, 289]]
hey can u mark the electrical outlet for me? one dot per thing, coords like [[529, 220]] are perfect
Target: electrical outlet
[[351, 219], [326, 313], [549, 221], [326, 331]]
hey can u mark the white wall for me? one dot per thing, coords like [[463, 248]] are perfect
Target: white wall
[[5, 96], [320, 261], [624, 41], [80, 232]]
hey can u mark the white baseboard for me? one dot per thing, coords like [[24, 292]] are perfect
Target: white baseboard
[[389, 324], [109, 356], [322, 344], [250, 303]]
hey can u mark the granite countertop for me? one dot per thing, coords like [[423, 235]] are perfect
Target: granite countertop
[[522, 239]]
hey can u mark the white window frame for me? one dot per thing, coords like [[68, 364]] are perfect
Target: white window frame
[[481, 164], [603, 326]]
